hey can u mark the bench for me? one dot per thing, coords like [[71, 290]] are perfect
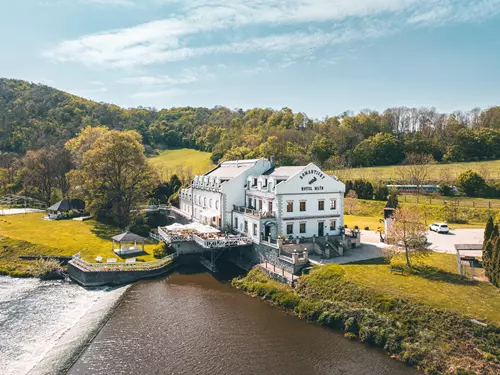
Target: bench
[[398, 269]]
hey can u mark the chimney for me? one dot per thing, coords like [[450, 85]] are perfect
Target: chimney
[[272, 159]]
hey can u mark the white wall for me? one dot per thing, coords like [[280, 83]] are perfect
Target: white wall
[[251, 221]]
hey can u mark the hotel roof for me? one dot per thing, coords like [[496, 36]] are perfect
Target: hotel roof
[[285, 172], [230, 169]]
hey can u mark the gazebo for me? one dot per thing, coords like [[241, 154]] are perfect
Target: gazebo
[[128, 238]]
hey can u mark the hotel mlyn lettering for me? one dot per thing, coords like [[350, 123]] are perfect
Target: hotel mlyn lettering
[[266, 202]]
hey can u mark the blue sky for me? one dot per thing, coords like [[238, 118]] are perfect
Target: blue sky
[[321, 57]]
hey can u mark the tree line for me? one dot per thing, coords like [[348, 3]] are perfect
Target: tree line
[[33, 116], [491, 252]]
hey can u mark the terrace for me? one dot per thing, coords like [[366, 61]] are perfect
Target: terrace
[[259, 214], [205, 236]]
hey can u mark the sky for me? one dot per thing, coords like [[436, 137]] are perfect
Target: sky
[[321, 57]]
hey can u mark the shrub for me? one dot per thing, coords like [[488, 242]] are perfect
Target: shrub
[[471, 183], [42, 267], [159, 251], [367, 228]]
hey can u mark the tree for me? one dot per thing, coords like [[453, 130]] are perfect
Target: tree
[[351, 202], [115, 175], [83, 142], [45, 170], [393, 197], [489, 233], [407, 232], [471, 183], [417, 169], [380, 192]]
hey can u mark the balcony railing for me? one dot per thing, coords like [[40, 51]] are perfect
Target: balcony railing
[[254, 213]]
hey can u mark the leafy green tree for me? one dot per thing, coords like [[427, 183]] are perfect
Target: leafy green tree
[[115, 176], [471, 183], [381, 149], [380, 192], [393, 197]]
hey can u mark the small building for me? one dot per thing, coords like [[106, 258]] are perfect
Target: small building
[[128, 243], [65, 206], [469, 257]]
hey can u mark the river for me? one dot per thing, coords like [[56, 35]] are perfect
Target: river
[[192, 323]]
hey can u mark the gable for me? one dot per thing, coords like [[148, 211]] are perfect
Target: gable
[[309, 180]]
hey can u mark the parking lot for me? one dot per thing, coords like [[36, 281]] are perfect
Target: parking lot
[[443, 243]]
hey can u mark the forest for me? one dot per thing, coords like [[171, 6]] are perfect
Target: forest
[[33, 116]]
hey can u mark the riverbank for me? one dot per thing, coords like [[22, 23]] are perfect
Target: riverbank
[[45, 325], [434, 340]]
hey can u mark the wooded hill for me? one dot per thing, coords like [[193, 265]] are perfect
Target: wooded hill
[[33, 116]]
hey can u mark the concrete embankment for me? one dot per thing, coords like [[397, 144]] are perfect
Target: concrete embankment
[[74, 340], [112, 277]]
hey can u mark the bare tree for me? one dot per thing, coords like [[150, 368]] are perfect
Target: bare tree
[[407, 233], [418, 168], [351, 202]]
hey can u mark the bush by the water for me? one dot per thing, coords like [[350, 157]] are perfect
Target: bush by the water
[[436, 341], [46, 269]]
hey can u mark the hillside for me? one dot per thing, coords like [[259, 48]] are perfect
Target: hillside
[[192, 162], [33, 116], [490, 170]]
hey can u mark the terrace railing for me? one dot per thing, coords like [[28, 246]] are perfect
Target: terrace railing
[[210, 243], [138, 266], [254, 213]]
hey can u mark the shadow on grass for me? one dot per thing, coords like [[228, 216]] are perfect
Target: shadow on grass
[[104, 231], [437, 274]]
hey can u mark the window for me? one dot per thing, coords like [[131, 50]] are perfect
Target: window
[[249, 202], [302, 227], [302, 206], [333, 225], [289, 206], [260, 204], [217, 204], [289, 229], [205, 201], [255, 229], [333, 204], [254, 183], [210, 202], [246, 226], [321, 205], [236, 222], [270, 208]]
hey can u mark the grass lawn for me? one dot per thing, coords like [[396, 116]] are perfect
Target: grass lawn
[[363, 221], [489, 170], [169, 160], [437, 285], [64, 237]]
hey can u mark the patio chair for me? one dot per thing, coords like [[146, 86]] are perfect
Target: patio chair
[[98, 259], [111, 260], [130, 260]]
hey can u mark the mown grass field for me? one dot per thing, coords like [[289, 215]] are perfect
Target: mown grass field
[[489, 170], [64, 237], [438, 285], [170, 161]]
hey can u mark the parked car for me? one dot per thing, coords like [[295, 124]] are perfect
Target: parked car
[[439, 228]]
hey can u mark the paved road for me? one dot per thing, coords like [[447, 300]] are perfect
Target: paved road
[[443, 243]]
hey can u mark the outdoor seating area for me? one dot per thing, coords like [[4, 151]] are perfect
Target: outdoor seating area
[[204, 235]]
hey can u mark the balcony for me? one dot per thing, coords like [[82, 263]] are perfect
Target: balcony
[[254, 213]]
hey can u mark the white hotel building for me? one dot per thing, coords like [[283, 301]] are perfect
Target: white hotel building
[[263, 202]]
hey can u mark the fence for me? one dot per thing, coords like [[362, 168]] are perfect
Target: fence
[[138, 266], [461, 202]]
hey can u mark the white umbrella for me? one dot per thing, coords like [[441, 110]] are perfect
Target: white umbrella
[[176, 226]]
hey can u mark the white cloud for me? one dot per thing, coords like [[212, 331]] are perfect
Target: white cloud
[[127, 3], [189, 75], [336, 21], [170, 93]]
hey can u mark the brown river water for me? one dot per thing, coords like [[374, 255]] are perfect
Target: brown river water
[[192, 323]]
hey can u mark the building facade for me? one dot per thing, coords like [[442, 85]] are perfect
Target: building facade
[[264, 202]]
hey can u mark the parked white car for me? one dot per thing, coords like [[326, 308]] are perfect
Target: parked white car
[[439, 228]]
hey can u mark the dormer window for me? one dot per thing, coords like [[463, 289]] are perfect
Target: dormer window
[[254, 182]]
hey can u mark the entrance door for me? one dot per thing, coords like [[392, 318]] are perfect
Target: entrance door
[[321, 229], [267, 232]]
